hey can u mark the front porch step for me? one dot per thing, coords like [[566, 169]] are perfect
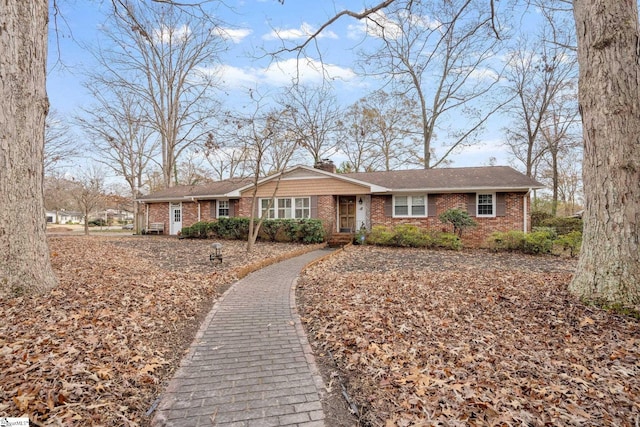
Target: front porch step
[[340, 239]]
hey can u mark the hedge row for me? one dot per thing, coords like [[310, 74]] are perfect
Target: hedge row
[[281, 230], [406, 235], [542, 240]]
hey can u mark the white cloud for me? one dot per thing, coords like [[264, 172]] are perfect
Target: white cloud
[[166, 34], [236, 35], [379, 24], [282, 73], [301, 33]]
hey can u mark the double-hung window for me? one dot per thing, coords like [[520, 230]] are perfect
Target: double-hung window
[[486, 205], [410, 206], [286, 207], [223, 208]]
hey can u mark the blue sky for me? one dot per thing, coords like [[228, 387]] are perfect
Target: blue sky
[[255, 26]]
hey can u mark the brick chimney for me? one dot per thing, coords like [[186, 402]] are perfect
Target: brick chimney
[[325, 165]]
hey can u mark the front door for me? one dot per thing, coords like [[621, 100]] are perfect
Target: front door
[[175, 218], [347, 214]]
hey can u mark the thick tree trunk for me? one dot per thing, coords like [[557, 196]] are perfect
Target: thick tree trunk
[[24, 254], [609, 264]]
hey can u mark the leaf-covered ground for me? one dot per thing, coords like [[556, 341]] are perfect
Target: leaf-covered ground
[[426, 338], [98, 349]]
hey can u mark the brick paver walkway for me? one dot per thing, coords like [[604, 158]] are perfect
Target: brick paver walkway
[[251, 364]]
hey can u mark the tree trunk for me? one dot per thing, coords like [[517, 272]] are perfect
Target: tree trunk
[[609, 95], [24, 254]]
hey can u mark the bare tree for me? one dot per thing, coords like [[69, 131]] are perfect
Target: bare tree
[[24, 253], [313, 114], [263, 133], [356, 135], [60, 147], [119, 137], [164, 58], [609, 96], [88, 193], [539, 73], [562, 140], [394, 123], [225, 160], [441, 54]]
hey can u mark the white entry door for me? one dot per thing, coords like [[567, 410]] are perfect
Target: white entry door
[[175, 218]]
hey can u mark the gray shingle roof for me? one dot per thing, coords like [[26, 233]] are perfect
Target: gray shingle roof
[[445, 179], [429, 180], [219, 188]]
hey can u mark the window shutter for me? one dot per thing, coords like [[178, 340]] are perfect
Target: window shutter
[[232, 208], [212, 209], [388, 206], [432, 209], [501, 206], [314, 206], [471, 204]]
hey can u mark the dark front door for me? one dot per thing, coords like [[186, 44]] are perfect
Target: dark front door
[[347, 214]]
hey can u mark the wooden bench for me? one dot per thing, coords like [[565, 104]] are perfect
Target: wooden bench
[[156, 227]]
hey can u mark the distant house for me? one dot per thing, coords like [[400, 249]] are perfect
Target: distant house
[[64, 217], [496, 196]]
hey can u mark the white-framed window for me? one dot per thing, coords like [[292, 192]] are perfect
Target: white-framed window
[[286, 207], [486, 204], [410, 206], [223, 209]]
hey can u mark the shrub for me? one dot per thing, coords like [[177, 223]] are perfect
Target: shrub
[[407, 235], [292, 230], [448, 241], [459, 218], [311, 231], [569, 242], [563, 225], [380, 235], [199, 230], [272, 227], [538, 217], [553, 234], [539, 242], [507, 241], [232, 228]]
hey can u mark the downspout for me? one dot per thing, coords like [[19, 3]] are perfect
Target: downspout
[[146, 219], [525, 221], [193, 199]]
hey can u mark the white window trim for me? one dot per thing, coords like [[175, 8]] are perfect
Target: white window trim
[[493, 205], [292, 208], [218, 208], [409, 202]]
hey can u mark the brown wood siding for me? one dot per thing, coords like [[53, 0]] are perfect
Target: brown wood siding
[[307, 187]]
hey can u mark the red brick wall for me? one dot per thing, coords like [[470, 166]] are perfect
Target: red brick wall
[[473, 237], [190, 213], [159, 212]]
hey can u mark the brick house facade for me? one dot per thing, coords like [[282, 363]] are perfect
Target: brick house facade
[[497, 197]]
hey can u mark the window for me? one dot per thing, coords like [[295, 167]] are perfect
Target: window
[[410, 206], [486, 205], [223, 208], [287, 207]]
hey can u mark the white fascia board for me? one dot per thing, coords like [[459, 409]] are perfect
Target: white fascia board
[[459, 190]]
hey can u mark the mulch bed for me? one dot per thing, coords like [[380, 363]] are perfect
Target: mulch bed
[[472, 338]]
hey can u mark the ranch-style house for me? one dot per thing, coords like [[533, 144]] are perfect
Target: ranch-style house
[[498, 197]]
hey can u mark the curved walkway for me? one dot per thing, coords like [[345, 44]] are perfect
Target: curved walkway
[[251, 363]]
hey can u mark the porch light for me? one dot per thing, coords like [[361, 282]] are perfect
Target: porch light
[[360, 201]]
